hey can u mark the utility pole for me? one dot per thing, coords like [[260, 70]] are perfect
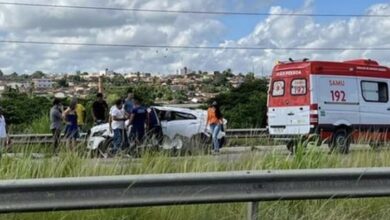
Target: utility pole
[[100, 85]]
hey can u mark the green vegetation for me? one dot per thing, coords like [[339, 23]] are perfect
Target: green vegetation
[[147, 93], [30, 114], [72, 165], [22, 110], [245, 106]]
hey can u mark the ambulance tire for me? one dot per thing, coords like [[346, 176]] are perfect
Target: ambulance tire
[[341, 141]]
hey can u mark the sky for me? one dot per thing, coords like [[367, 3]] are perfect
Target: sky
[[24, 23]]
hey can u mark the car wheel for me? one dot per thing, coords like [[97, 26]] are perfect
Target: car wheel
[[341, 141], [104, 149], [152, 142], [200, 143], [182, 145], [178, 142], [166, 143]]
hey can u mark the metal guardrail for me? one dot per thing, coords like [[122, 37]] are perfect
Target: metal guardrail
[[247, 133], [192, 188], [37, 138], [47, 138]]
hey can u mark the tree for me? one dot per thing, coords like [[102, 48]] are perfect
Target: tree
[[245, 106], [220, 80], [228, 73], [118, 80], [249, 76], [180, 97], [15, 110], [76, 78], [63, 82], [38, 75]]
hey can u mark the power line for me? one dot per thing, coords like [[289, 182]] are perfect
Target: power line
[[194, 47], [191, 11]]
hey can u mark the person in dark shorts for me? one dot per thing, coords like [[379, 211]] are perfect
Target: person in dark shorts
[[72, 128], [137, 120], [56, 123], [99, 110]]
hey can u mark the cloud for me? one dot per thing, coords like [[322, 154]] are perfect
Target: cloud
[[283, 31], [112, 27]]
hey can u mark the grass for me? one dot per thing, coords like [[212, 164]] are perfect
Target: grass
[[75, 165]]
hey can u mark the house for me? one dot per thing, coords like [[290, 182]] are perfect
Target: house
[[43, 83]]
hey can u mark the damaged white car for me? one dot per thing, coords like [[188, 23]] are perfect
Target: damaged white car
[[181, 129]]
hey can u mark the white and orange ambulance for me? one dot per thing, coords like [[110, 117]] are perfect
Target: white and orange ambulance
[[341, 102]]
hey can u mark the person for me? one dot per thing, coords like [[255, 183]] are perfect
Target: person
[[81, 114], [56, 123], [137, 120], [215, 120], [129, 103], [72, 128], [3, 132], [113, 107], [99, 110], [117, 124]]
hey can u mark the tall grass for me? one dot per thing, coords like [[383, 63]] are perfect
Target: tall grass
[[39, 125], [69, 164]]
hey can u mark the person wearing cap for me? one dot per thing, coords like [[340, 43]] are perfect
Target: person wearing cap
[[3, 132], [215, 121], [56, 123]]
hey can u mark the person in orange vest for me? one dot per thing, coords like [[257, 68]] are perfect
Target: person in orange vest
[[215, 120]]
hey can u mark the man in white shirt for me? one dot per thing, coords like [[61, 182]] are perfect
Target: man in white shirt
[[117, 124]]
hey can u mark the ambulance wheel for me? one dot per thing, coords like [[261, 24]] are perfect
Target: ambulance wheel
[[340, 141]]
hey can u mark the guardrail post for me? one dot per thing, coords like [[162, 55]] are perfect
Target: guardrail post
[[253, 210]]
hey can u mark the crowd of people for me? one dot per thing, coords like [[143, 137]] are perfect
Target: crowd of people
[[130, 109], [72, 121]]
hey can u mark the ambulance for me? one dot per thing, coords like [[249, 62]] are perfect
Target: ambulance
[[339, 102]]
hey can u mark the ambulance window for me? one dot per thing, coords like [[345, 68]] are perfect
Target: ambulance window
[[278, 88], [375, 91], [298, 87]]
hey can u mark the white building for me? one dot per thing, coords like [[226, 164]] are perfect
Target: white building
[[19, 85], [184, 71], [43, 83]]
